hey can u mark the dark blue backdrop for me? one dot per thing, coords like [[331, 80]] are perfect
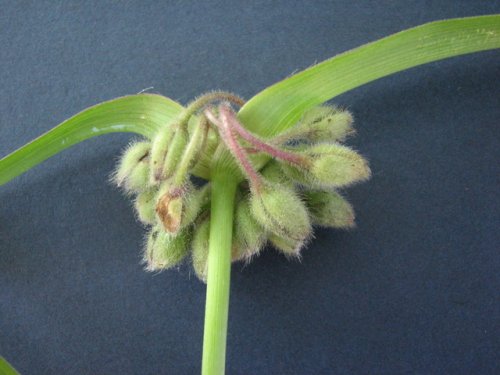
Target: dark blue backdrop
[[414, 289]]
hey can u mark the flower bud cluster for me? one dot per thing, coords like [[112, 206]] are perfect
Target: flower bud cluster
[[157, 174], [278, 204], [298, 187]]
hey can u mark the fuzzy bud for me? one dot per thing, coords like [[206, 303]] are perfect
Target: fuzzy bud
[[329, 209], [248, 235], [332, 165], [170, 205], [159, 147], [200, 249], [133, 169], [194, 203], [178, 206], [175, 151], [145, 206], [326, 124], [290, 247], [164, 250], [278, 209], [273, 173]]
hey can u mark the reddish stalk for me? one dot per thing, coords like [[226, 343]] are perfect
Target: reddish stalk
[[228, 137], [234, 124]]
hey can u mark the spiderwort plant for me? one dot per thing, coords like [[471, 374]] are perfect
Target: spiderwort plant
[[282, 151]]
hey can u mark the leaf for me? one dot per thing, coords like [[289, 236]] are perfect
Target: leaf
[[6, 368], [141, 114], [278, 107]]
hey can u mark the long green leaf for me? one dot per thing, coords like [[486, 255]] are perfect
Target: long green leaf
[[141, 114], [6, 368], [279, 106]]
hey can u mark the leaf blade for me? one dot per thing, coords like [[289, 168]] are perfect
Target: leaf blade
[[6, 368], [280, 105], [141, 114]]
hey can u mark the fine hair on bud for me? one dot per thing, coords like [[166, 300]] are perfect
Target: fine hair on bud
[[332, 166], [329, 209], [327, 124], [133, 169], [248, 235], [290, 247], [279, 210], [175, 151], [320, 124], [195, 200], [273, 173], [170, 204], [144, 205], [159, 147], [164, 250], [199, 245]]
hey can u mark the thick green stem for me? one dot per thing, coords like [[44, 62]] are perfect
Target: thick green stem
[[219, 272]]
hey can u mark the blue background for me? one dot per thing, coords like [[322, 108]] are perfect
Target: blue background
[[413, 290]]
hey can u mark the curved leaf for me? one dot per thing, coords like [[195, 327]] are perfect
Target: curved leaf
[[141, 114], [280, 106]]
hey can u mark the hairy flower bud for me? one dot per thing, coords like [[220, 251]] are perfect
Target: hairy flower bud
[[329, 209], [332, 165], [326, 124], [273, 173], [145, 206], [159, 147], [175, 151], [320, 124], [133, 169], [278, 209], [248, 235], [178, 206], [290, 247], [194, 203], [200, 249], [164, 250], [170, 205]]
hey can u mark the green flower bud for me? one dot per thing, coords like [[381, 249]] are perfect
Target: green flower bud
[[133, 169], [200, 249], [170, 205], [159, 147], [332, 165], [329, 209], [175, 151], [248, 235], [278, 209], [290, 247], [194, 204], [164, 250], [316, 114], [326, 124], [320, 124], [144, 204], [273, 173], [178, 207]]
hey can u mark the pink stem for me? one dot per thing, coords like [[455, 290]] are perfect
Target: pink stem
[[275, 152], [235, 148]]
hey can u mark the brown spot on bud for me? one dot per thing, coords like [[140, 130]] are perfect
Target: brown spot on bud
[[169, 210]]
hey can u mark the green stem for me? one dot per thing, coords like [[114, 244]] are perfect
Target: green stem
[[219, 272]]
